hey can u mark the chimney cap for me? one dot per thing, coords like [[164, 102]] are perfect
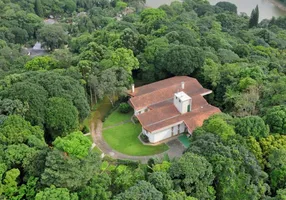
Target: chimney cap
[[182, 85]]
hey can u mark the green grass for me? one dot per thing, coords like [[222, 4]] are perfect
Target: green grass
[[124, 139], [116, 117]]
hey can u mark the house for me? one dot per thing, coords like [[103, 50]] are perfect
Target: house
[[169, 107]]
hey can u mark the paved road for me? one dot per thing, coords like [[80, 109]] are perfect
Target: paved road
[[175, 147]]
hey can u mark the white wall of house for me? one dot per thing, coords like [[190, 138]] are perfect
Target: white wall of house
[[165, 133]]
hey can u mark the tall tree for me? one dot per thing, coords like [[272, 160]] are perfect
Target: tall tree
[[194, 175], [254, 17], [61, 117], [39, 8]]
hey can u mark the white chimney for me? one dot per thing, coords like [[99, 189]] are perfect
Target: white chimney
[[132, 88], [183, 85]]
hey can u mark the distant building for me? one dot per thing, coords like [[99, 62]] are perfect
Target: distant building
[[170, 107]]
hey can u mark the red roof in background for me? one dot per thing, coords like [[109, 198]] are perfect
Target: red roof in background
[[154, 93], [158, 98]]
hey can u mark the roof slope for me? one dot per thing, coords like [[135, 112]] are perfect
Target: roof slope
[[168, 114], [154, 93]]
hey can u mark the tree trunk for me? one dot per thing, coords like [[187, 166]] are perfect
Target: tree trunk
[[90, 93], [110, 99]]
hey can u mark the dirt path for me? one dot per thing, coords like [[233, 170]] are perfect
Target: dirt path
[[96, 133]]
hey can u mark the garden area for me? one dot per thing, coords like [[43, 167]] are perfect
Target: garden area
[[122, 135]]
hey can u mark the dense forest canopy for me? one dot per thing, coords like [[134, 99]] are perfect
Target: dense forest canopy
[[97, 49]]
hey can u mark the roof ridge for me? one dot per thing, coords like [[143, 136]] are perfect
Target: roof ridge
[[201, 107], [168, 87]]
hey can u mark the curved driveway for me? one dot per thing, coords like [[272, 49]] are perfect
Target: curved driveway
[[175, 147]]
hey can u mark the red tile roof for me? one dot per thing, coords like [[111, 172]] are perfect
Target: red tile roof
[[167, 115], [158, 98], [164, 90]]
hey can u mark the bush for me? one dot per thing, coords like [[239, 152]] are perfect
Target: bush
[[144, 138], [124, 108], [85, 130]]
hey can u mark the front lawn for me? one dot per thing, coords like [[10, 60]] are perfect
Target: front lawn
[[116, 117], [124, 139]]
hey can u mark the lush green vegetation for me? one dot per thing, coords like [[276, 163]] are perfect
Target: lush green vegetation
[[95, 50], [124, 139]]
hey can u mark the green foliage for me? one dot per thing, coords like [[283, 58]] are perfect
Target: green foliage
[[56, 193], [124, 108], [35, 96], [75, 144], [98, 188], [15, 130], [254, 17], [41, 63], [162, 181], [227, 6], [61, 117], [39, 8], [219, 127], [68, 171], [142, 190], [193, 174], [182, 60], [52, 36], [276, 119], [252, 126]]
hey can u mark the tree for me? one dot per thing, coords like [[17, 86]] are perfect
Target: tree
[[277, 160], [220, 127], [237, 173], [64, 86], [151, 16], [13, 107], [181, 60], [41, 63], [97, 188], [74, 144], [39, 8], [162, 181], [113, 82], [193, 174], [122, 58], [15, 130], [52, 36], [172, 195], [142, 190], [276, 119], [61, 117], [56, 193], [252, 126], [227, 6], [68, 171], [32, 94], [254, 17]]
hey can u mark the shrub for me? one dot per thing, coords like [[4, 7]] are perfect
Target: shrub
[[124, 108], [85, 129], [144, 138]]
